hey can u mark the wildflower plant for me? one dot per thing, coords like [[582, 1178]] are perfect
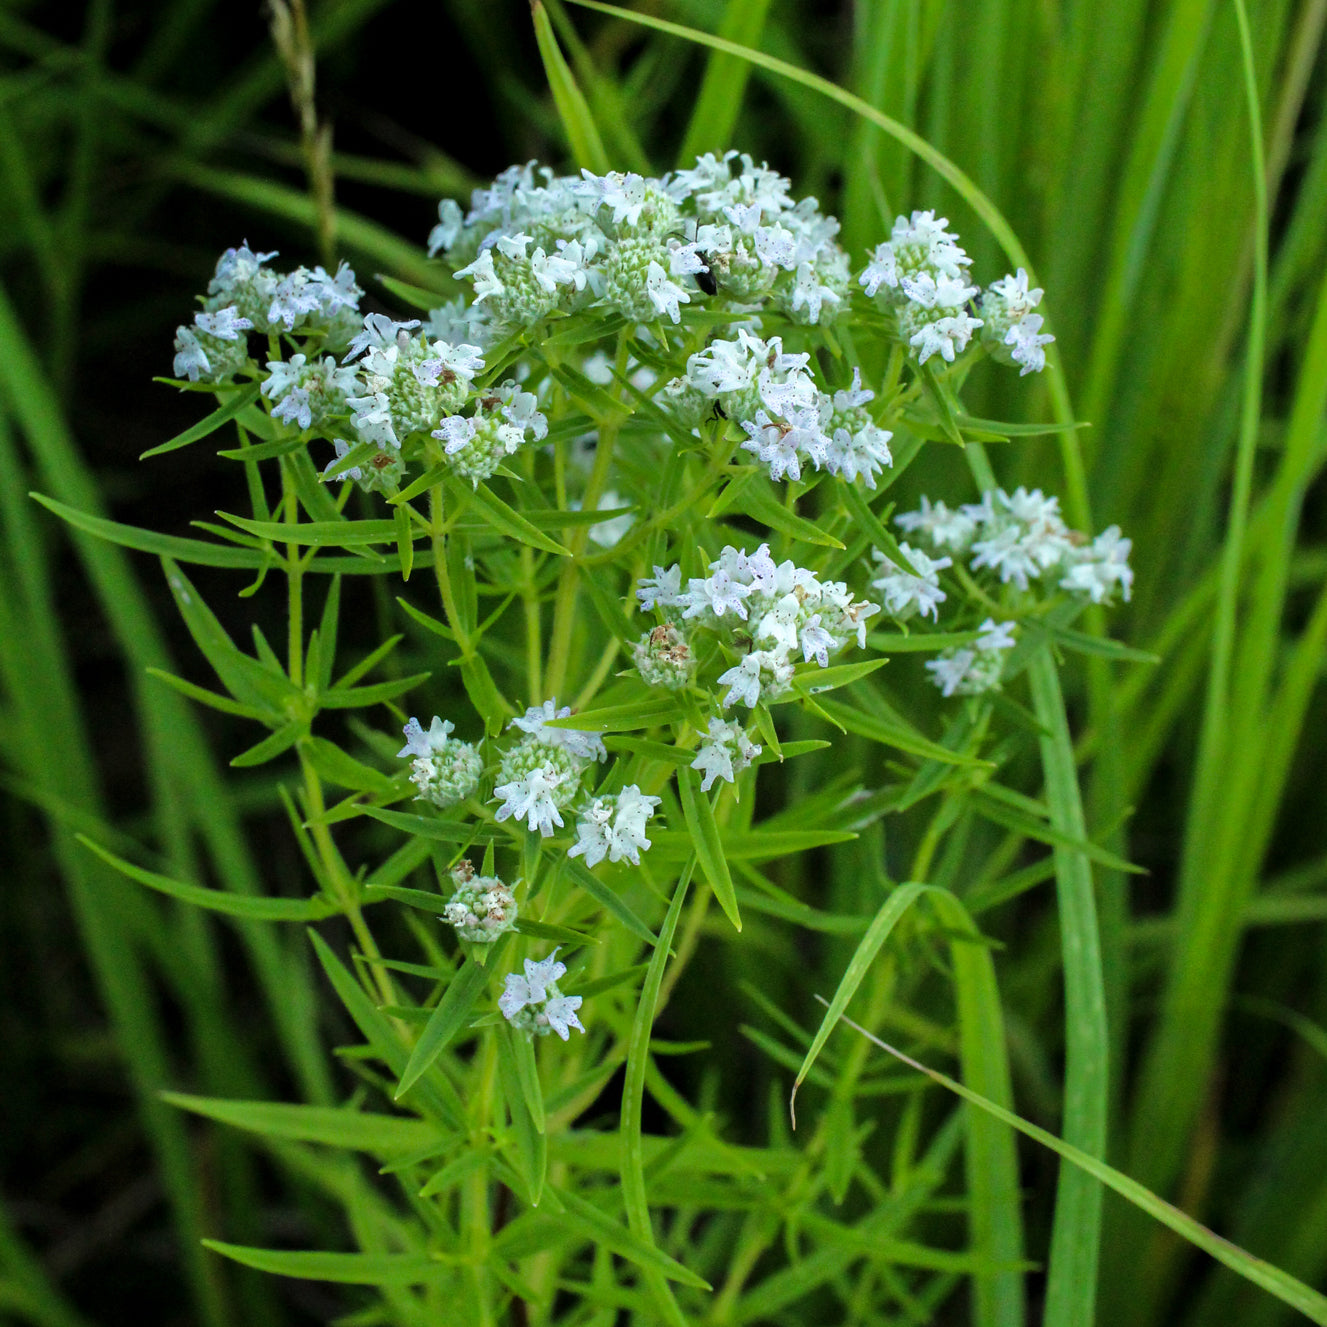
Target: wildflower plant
[[627, 476]]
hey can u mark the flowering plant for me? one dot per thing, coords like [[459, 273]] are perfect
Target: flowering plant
[[639, 444]]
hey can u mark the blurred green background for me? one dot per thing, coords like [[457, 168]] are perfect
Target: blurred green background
[[137, 140]]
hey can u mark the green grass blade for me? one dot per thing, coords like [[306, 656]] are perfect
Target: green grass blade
[[1285, 1287], [587, 147], [710, 128], [891, 910], [1076, 1235]]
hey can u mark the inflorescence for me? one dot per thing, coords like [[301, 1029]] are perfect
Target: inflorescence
[[645, 263]]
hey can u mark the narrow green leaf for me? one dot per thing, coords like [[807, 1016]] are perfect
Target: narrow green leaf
[[405, 540], [342, 769], [318, 534], [509, 522], [353, 698], [435, 1095], [203, 696], [223, 414], [750, 494], [648, 712], [447, 1020], [250, 907], [412, 898], [891, 910], [331, 1126], [164, 545], [707, 843], [357, 1269], [881, 724], [272, 746], [456, 832], [600, 1228], [520, 1085], [607, 898]]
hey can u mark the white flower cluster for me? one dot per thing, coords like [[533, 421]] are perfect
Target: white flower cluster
[[535, 242], [1022, 537], [779, 610], [614, 827], [444, 771], [971, 670], [309, 393], [408, 384], [541, 775], [1010, 330], [482, 907], [245, 294], [725, 751], [534, 1004], [787, 418], [921, 274], [908, 592]]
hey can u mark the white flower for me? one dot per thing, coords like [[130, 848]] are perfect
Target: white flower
[[1008, 552], [944, 528], [533, 798], [422, 744], [1098, 569], [743, 679], [882, 270], [717, 594], [581, 745], [945, 336], [560, 1015], [447, 362], [534, 1004], [190, 358], [225, 324], [996, 635], [444, 771], [378, 333], [625, 194], [1013, 290], [817, 642], [1027, 344], [950, 670], [809, 292], [664, 294], [486, 280], [724, 752], [448, 229], [514, 246], [614, 827], [663, 589], [906, 593]]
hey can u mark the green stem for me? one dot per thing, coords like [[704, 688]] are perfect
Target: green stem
[[1075, 1237], [564, 603]]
